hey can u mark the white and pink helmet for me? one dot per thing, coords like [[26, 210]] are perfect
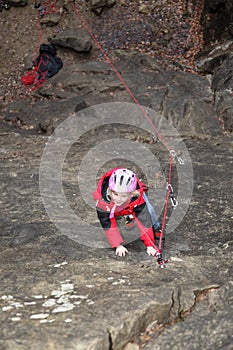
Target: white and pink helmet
[[123, 180]]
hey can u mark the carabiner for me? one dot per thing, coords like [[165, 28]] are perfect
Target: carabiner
[[170, 189], [172, 197], [174, 202], [176, 158], [162, 262]]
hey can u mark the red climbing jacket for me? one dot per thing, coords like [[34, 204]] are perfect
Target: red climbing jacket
[[136, 207]]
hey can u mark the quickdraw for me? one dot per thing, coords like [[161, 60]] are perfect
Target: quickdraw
[[172, 197], [176, 157]]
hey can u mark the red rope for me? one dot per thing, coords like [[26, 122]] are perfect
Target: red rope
[[32, 77], [166, 203], [108, 60], [50, 7]]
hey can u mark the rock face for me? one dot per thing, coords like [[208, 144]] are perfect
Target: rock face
[[81, 297], [211, 314], [18, 3], [62, 287], [207, 61], [217, 20], [76, 39], [222, 85], [218, 62], [51, 19], [98, 5], [184, 99]]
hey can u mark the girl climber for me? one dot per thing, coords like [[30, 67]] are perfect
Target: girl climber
[[120, 193]]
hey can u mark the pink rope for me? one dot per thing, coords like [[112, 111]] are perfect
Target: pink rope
[[108, 60]]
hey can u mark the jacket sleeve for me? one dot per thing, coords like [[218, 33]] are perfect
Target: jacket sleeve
[[144, 223], [110, 228]]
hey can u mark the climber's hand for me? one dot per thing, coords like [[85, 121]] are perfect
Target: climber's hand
[[151, 251], [121, 250]]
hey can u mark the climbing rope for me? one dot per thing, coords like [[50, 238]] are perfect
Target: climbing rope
[[172, 153], [31, 78]]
